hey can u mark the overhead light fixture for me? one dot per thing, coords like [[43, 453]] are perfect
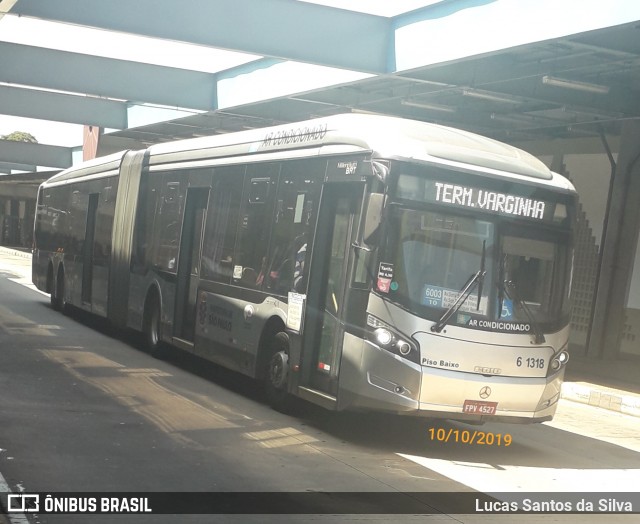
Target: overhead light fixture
[[512, 119], [357, 111], [490, 96], [575, 110], [432, 107], [576, 85]]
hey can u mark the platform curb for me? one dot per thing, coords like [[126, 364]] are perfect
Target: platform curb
[[602, 398], [14, 252]]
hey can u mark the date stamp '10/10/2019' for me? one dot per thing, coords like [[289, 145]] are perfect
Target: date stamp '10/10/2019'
[[471, 437]]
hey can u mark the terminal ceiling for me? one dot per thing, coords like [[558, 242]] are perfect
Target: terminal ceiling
[[289, 60]]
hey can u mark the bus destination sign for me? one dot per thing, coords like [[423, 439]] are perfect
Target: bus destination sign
[[489, 201]]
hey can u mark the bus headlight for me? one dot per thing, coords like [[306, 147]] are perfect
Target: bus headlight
[[559, 360], [383, 336], [403, 347], [387, 338]]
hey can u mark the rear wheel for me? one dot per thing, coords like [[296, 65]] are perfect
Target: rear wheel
[[57, 294], [55, 303], [277, 373], [151, 328], [51, 287]]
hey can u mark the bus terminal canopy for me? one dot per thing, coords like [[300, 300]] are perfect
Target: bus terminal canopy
[[526, 72]]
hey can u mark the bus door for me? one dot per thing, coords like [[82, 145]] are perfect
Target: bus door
[[88, 248], [189, 262], [328, 287]]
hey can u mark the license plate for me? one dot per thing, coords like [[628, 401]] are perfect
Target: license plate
[[479, 407]]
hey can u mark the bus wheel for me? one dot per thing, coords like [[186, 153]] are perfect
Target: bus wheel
[[51, 288], [277, 376], [151, 329], [55, 302], [57, 294]]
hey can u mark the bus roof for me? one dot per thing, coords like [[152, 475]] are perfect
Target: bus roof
[[100, 166], [386, 137]]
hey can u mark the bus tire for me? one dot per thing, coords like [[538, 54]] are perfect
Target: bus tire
[[152, 341], [55, 304], [57, 295], [277, 373], [51, 288]]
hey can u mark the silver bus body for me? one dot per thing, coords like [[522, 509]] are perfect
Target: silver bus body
[[199, 244]]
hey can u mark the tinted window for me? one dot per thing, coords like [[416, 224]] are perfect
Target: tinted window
[[256, 217], [170, 211], [296, 209], [222, 223]]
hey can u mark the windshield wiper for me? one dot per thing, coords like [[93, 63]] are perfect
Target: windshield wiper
[[500, 285], [476, 278], [483, 270], [537, 332]]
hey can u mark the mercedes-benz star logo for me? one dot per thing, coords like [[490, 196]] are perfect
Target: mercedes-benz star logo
[[485, 392]]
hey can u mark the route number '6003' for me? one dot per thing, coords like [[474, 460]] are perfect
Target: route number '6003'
[[530, 362]]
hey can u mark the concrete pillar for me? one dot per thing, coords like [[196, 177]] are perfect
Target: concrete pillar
[[618, 250], [30, 213], [14, 226], [557, 163]]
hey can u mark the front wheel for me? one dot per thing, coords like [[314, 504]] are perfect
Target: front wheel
[[277, 375]]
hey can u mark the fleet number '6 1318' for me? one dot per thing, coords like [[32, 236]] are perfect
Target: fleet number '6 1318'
[[530, 362]]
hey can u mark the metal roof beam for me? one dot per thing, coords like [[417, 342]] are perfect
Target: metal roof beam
[[34, 154], [61, 107], [285, 29], [444, 28], [17, 190], [6, 167], [105, 77]]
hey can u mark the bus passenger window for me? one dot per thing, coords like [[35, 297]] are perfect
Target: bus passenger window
[[169, 225], [222, 223], [145, 221], [259, 190], [256, 217], [298, 193]]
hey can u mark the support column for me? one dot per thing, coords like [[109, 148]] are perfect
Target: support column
[[618, 249], [557, 163], [14, 224], [90, 141]]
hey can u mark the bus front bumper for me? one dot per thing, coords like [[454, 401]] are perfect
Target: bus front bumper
[[524, 399], [386, 382]]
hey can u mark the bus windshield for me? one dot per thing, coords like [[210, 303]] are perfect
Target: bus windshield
[[433, 255], [533, 279]]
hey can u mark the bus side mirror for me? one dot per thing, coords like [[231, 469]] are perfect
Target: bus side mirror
[[373, 216]]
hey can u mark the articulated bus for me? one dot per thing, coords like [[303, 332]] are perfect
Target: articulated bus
[[356, 261]]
